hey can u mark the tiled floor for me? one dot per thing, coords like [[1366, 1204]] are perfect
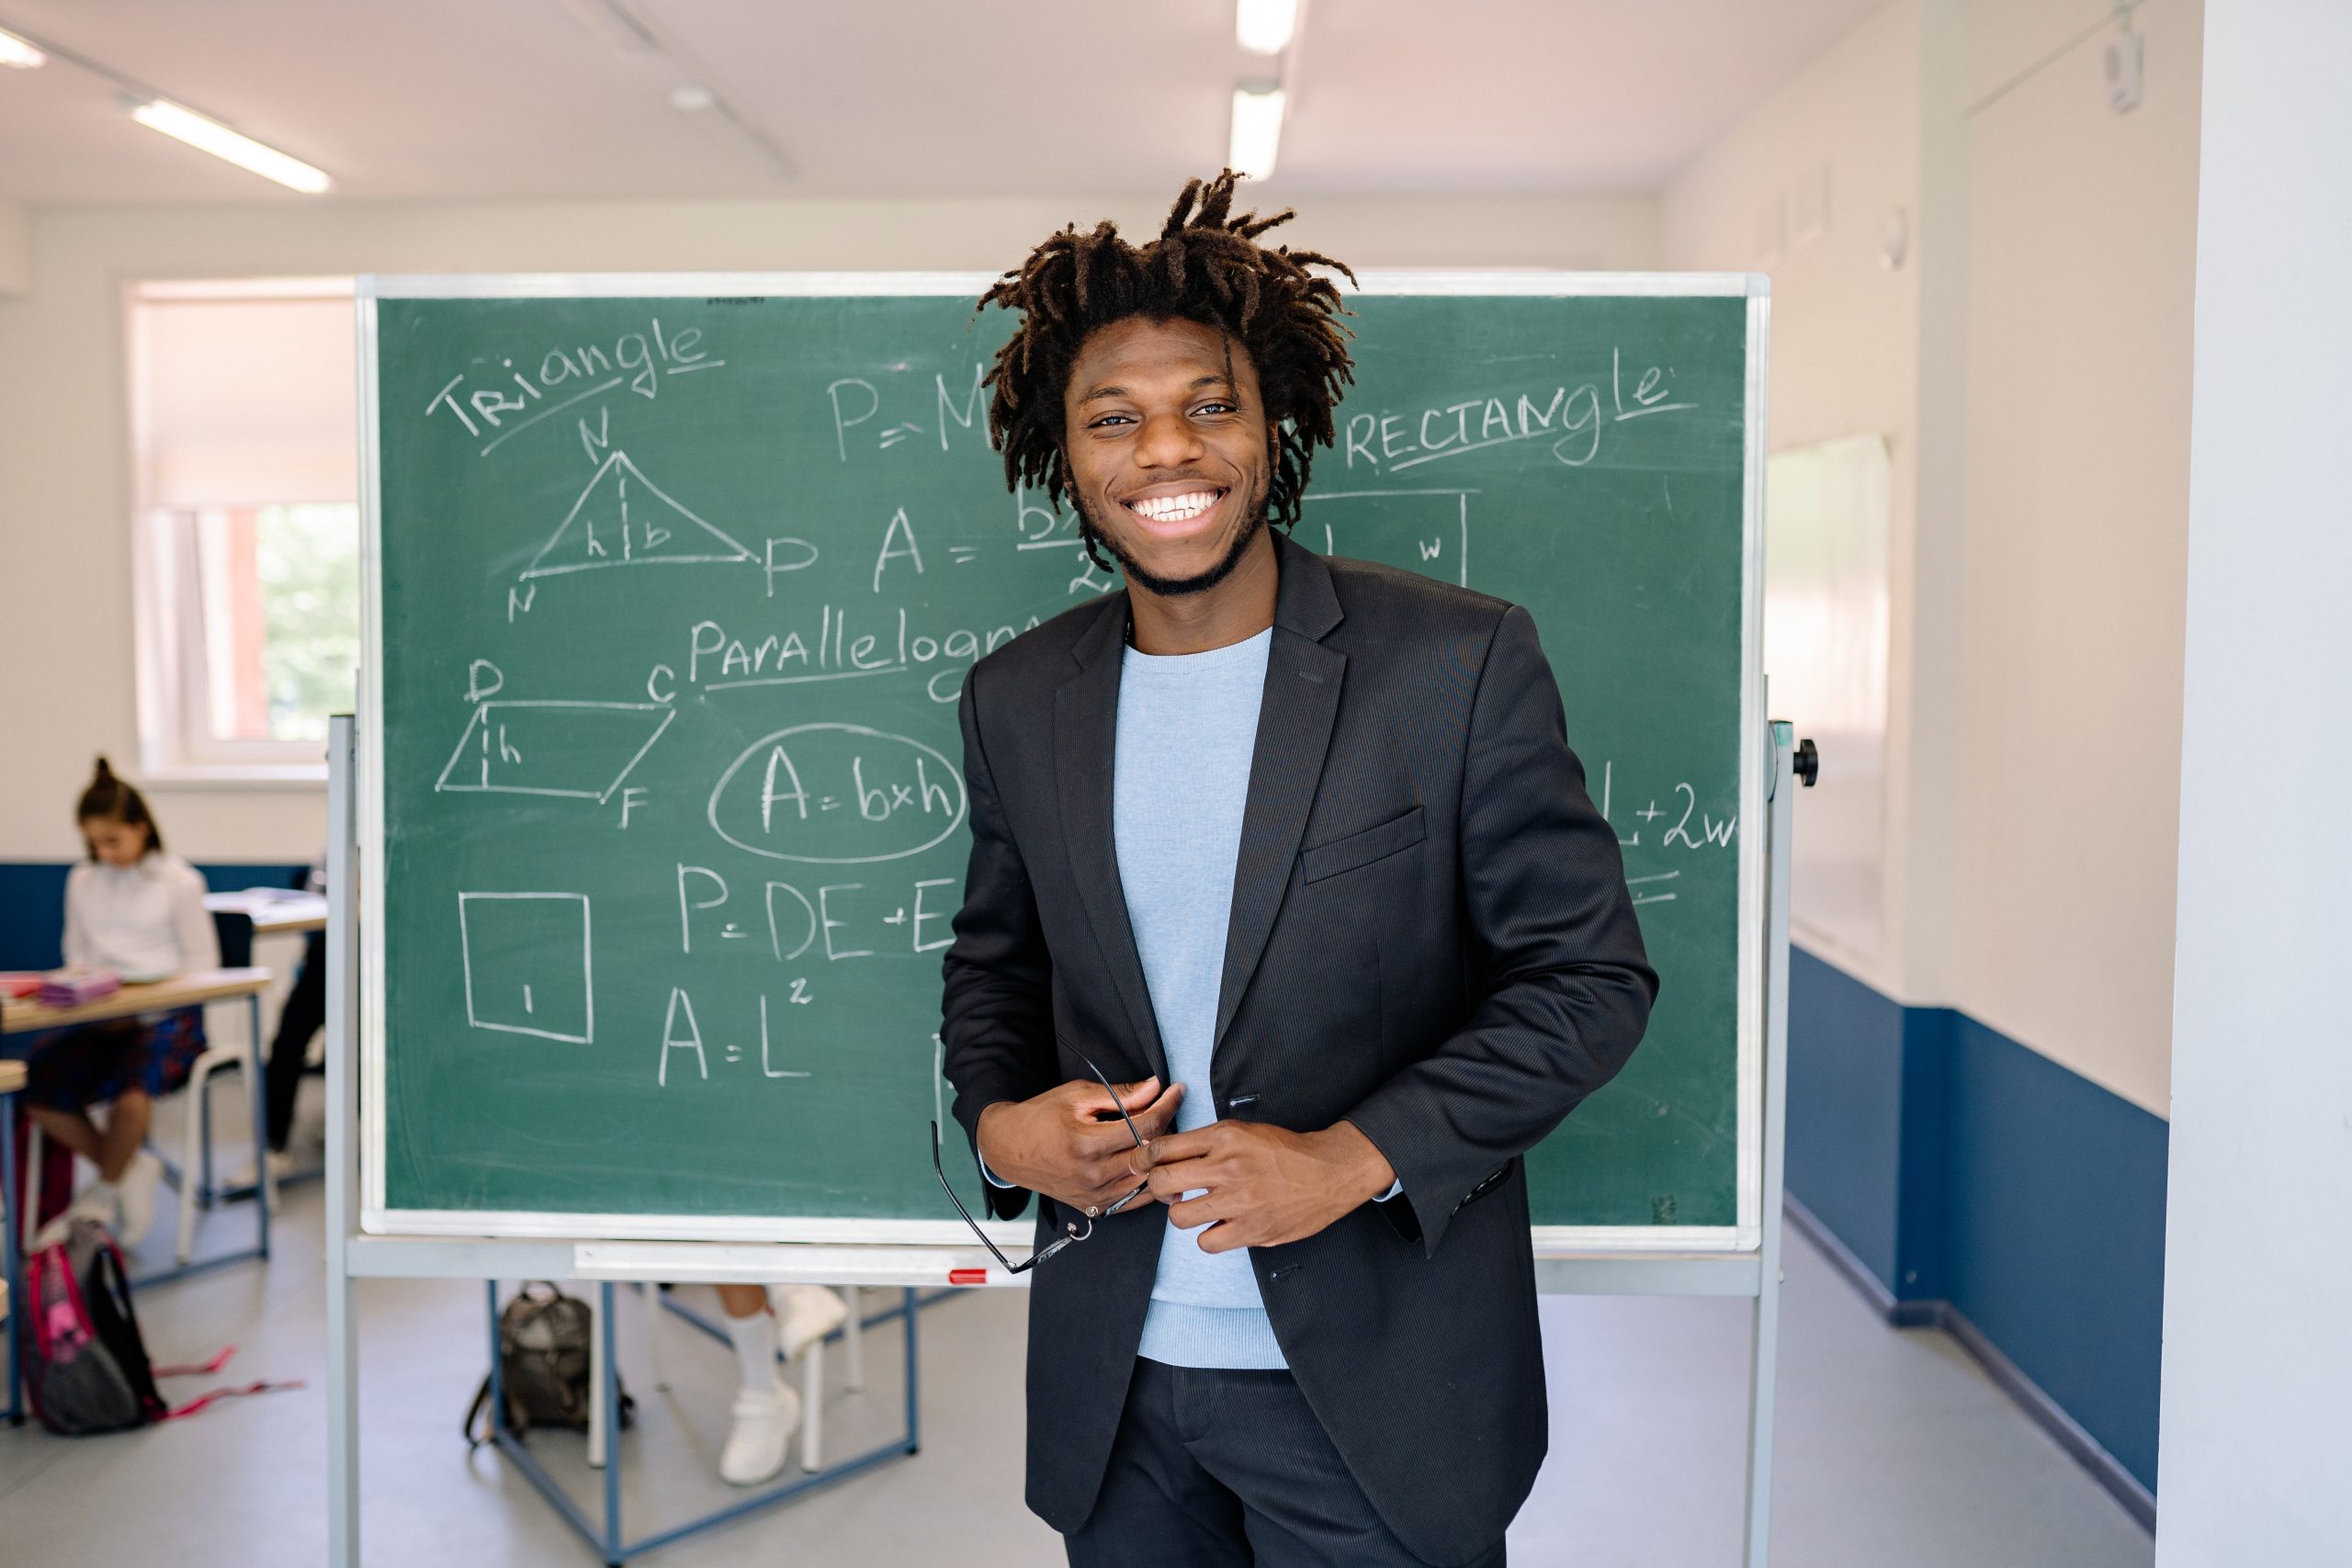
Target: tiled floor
[[1894, 1447]]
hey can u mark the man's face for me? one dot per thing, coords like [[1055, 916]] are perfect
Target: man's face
[[1166, 443]]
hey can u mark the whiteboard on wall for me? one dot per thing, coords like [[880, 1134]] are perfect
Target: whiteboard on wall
[[1826, 612]]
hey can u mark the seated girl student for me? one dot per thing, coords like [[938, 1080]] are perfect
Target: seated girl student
[[767, 1411], [133, 908]]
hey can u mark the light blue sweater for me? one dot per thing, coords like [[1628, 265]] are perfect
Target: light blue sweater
[[1188, 724]]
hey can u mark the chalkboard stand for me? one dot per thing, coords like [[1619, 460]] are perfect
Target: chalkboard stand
[[352, 1255]]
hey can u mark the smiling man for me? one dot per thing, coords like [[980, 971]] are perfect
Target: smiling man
[[1287, 909]]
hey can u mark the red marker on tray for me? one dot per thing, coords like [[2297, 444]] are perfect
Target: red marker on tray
[[967, 1276]]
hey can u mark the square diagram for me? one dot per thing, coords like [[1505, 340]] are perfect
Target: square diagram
[[528, 965]]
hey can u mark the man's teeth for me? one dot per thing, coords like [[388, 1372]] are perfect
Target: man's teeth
[[1174, 508]]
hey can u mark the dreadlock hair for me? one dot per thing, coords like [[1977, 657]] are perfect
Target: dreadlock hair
[[1206, 266], [111, 799]]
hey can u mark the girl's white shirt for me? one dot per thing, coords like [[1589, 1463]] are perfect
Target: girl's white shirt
[[143, 920]]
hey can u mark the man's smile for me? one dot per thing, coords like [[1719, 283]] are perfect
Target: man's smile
[[1169, 510]]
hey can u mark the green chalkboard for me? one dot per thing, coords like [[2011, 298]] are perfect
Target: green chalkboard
[[674, 585]]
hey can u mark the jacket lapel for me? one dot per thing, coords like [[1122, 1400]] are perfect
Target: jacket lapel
[[1302, 697], [1086, 722]]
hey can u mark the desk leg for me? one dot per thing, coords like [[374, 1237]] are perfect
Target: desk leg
[[265, 1185], [11, 1206]]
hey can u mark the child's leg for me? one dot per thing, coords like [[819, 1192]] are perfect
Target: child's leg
[[742, 1301], [766, 1410], [752, 1326], [73, 1128], [126, 1133]]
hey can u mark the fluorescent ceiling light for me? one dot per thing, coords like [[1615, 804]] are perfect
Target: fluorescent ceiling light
[[1257, 132], [1264, 26], [211, 136], [15, 52]]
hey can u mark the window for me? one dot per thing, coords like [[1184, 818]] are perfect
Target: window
[[245, 414]]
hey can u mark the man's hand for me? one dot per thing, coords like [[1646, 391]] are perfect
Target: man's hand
[[1069, 1144], [1261, 1186]]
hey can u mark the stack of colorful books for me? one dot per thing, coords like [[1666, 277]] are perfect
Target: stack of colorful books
[[75, 988]]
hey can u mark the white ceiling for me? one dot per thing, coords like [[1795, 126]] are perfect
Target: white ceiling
[[521, 99]]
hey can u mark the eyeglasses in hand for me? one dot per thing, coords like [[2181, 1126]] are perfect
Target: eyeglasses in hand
[[1072, 1229]]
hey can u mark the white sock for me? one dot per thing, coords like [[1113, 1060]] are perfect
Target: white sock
[[755, 1339]]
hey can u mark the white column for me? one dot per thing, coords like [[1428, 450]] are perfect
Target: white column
[[2257, 1363]]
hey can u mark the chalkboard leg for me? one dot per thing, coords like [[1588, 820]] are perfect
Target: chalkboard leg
[[342, 1161], [497, 1367], [343, 1419], [914, 1382], [608, 1386], [600, 1354], [1764, 1338]]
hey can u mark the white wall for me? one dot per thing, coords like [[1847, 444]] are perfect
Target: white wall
[[1845, 328], [66, 639], [2257, 1366], [2030, 365], [16, 249], [2082, 254]]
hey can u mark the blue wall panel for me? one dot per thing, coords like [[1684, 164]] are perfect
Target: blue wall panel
[[2054, 1243], [1920, 1201], [1845, 1139], [1959, 1166], [32, 904]]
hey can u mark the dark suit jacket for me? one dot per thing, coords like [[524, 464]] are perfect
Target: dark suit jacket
[[1431, 937]]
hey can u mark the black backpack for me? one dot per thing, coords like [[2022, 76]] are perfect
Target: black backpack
[[543, 1361]]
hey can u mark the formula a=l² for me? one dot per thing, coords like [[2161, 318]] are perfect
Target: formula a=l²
[[624, 519]]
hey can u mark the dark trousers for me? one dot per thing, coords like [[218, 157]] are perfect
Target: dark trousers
[[1212, 1468], [305, 1014]]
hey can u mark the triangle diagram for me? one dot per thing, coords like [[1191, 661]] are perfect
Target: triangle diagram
[[625, 519]]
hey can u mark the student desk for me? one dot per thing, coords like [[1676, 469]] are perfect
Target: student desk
[[19, 1019], [273, 912], [276, 911]]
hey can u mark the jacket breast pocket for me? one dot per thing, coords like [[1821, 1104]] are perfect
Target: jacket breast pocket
[[1392, 837]]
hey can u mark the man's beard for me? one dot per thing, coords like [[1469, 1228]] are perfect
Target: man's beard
[[1178, 587]]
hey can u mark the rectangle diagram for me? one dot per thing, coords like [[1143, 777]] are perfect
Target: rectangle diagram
[[529, 964], [1426, 531]]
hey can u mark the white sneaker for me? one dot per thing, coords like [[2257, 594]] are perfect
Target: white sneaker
[[805, 1314], [100, 1201], [761, 1436], [136, 1191]]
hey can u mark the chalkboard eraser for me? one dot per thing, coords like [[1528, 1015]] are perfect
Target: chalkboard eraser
[[967, 1276]]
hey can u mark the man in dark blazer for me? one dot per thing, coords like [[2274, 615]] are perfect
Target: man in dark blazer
[[1288, 918]]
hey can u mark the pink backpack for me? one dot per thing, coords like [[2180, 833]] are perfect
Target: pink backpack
[[89, 1372]]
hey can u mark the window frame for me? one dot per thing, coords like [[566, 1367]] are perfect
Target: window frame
[[172, 663]]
